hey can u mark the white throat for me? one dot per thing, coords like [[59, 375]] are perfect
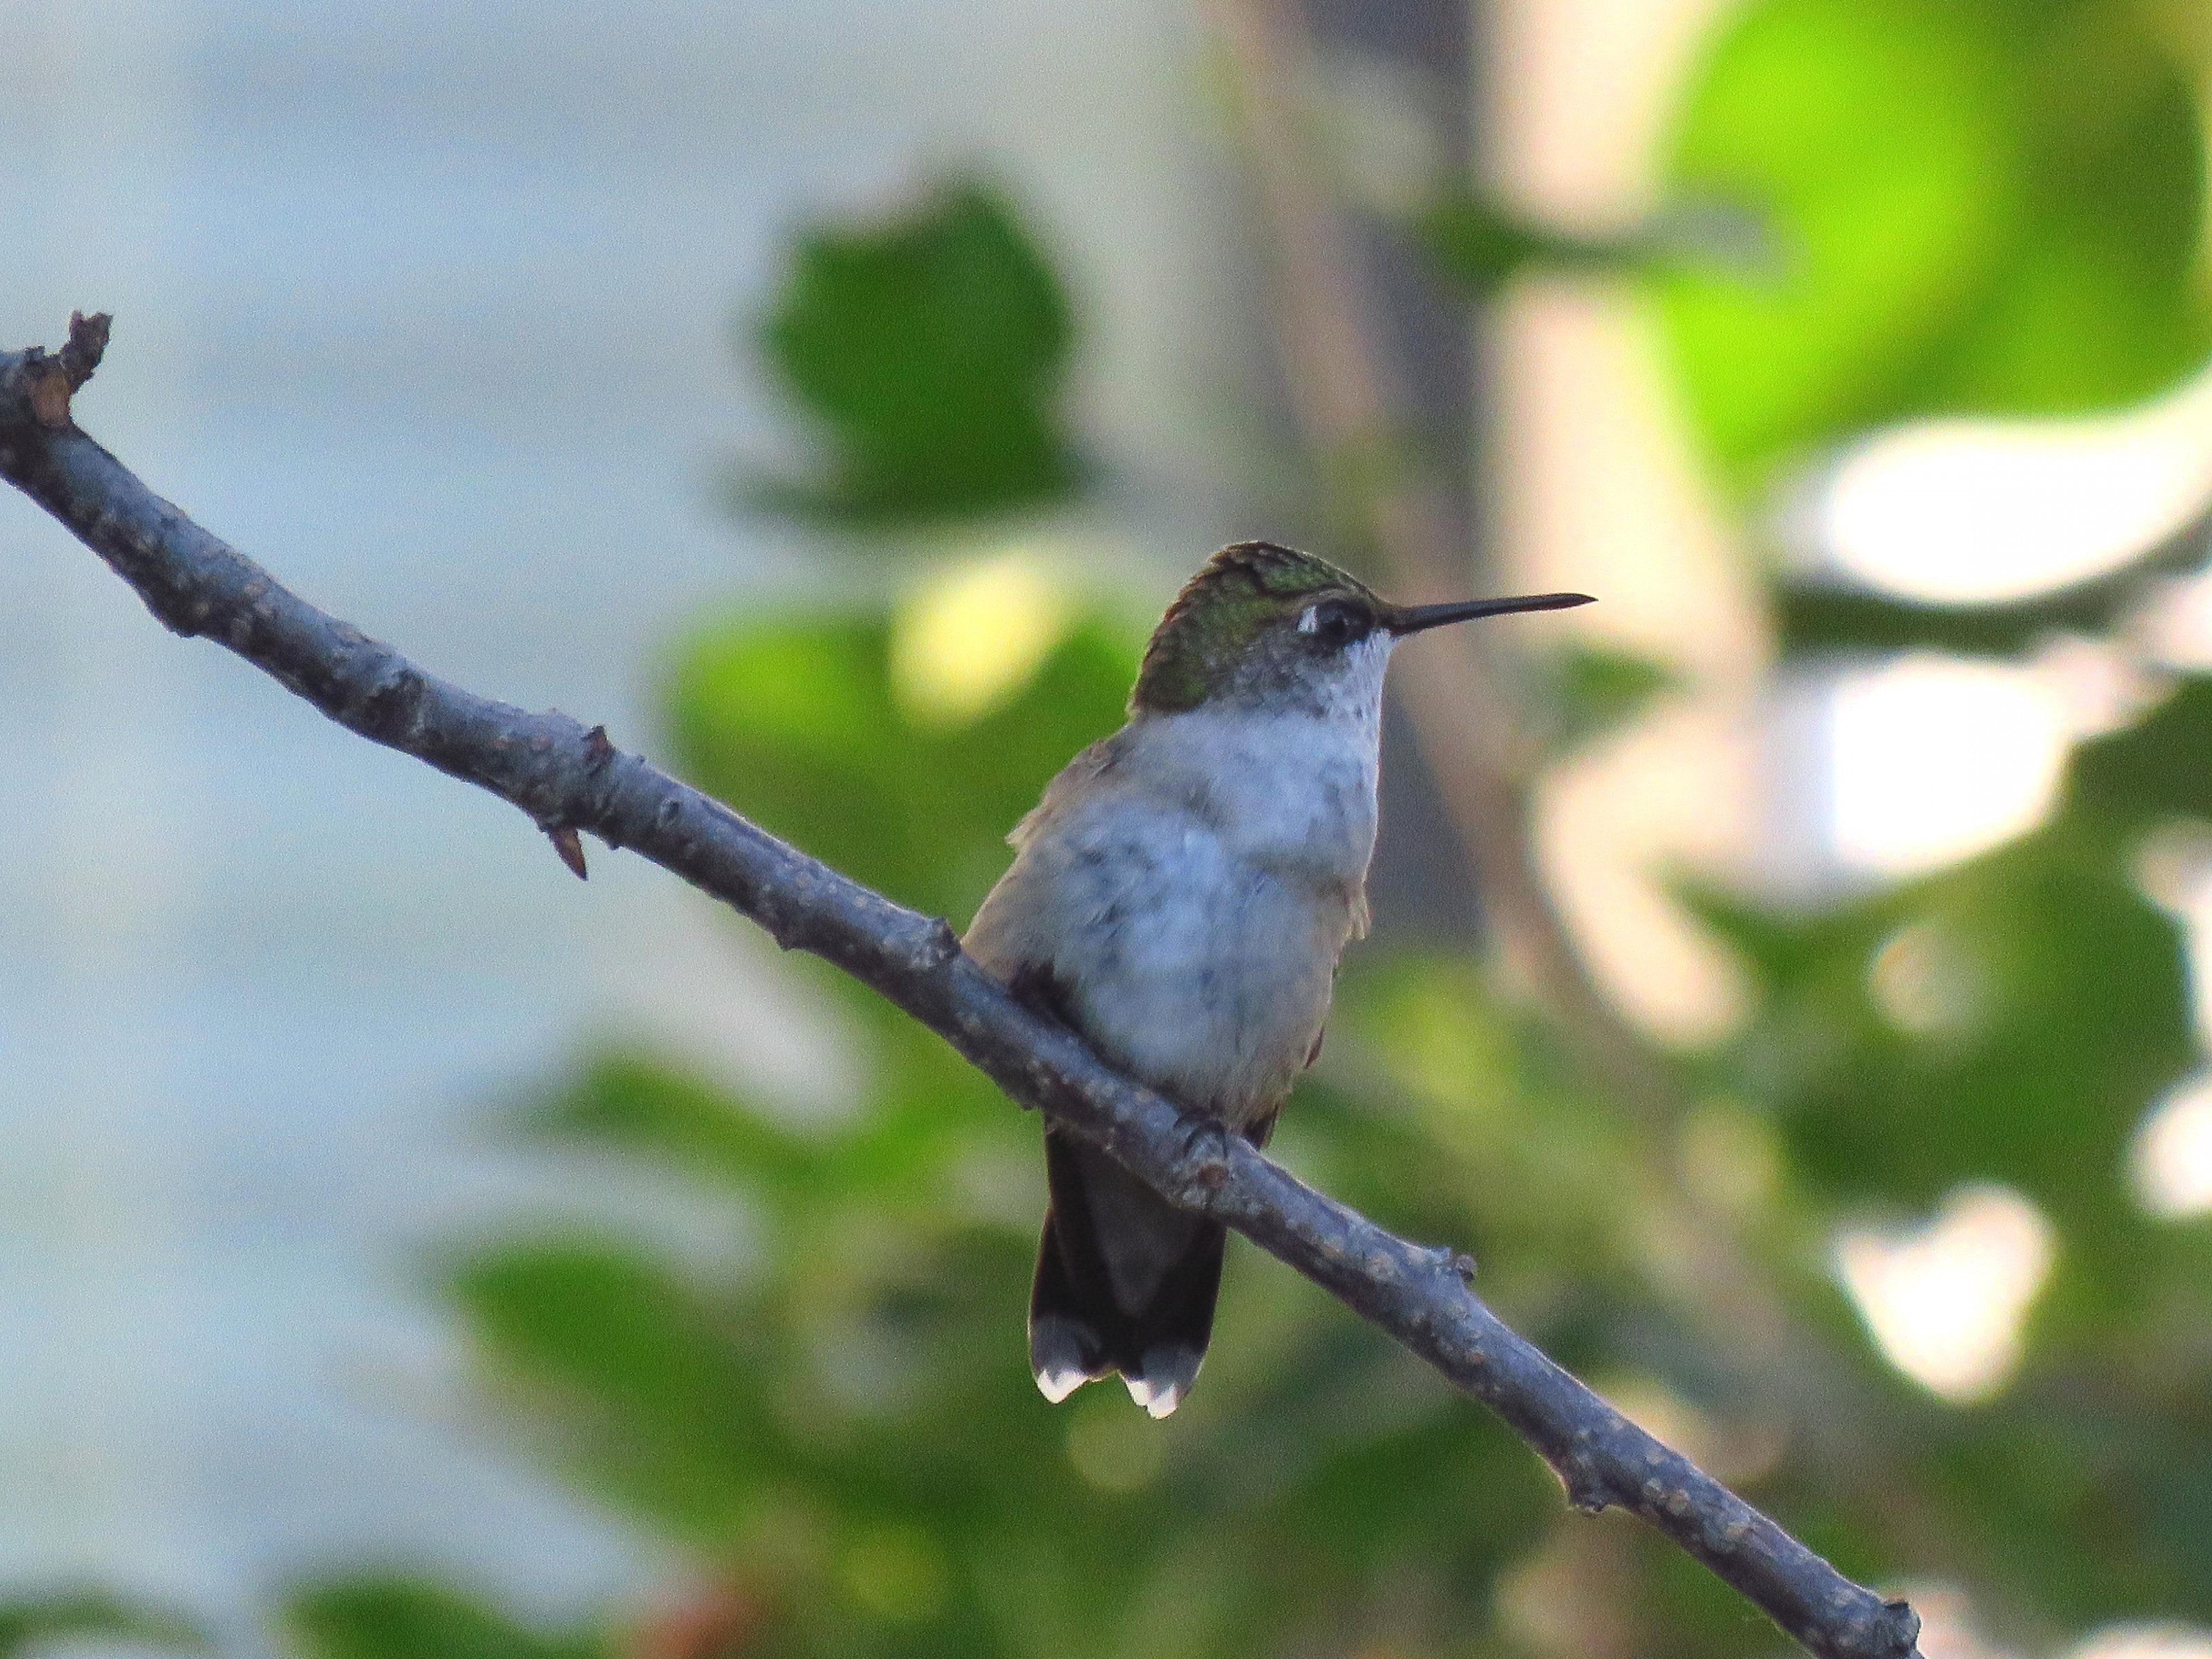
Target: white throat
[[1291, 788]]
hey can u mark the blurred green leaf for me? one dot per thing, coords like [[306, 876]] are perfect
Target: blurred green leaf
[[1876, 136], [1595, 691], [629, 1103], [1813, 618], [1983, 204], [930, 352], [2159, 768], [658, 1390], [2096, 300], [2010, 1019], [28, 1623], [397, 1618], [795, 724], [2092, 1506], [1482, 245]]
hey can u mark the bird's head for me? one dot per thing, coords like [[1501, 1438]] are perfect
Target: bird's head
[[1265, 625]]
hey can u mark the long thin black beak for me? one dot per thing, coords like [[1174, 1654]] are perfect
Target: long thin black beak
[[1412, 618]]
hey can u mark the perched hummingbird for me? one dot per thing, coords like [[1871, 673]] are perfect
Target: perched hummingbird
[[1179, 898]]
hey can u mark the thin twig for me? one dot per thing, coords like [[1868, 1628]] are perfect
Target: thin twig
[[567, 779]]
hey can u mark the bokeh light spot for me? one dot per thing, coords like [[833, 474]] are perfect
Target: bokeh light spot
[[2170, 1162], [1945, 1301], [1923, 982], [1958, 512], [2146, 1641], [897, 1573], [969, 638], [1950, 1626], [1933, 759], [1729, 1155], [1113, 1445]]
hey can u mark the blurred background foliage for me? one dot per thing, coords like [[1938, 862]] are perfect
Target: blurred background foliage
[[932, 358], [1978, 208], [35, 1623], [1984, 207], [1965, 206]]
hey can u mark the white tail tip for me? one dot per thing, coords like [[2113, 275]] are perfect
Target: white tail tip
[[1057, 1384], [1159, 1402]]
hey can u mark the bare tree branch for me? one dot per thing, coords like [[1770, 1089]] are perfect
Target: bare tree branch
[[567, 779]]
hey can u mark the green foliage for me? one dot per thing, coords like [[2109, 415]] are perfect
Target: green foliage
[[849, 1433], [800, 722], [1982, 205], [394, 1617], [929, 350], [2035, 1009], [1483, 245], [1992, 206], [2156, 770], [1974, 204], [30, 1624], [1812, 619], [1594, 691], [656, 1399]]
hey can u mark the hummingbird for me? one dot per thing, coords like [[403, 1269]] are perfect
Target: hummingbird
[[1179, 898]]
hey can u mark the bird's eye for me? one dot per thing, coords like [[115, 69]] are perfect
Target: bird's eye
[[1333, 624]]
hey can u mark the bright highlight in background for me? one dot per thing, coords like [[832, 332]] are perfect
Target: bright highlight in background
[[2146, 1642], [1932, 759], [969, 637], [1946, 1302], [1957, 511], [2169, 1165]]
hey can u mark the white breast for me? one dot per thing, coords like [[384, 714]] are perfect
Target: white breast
[[1191, 882], [1292, 792]]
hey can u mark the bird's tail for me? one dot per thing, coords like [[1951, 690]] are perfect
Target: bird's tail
[[1124, 1282]]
